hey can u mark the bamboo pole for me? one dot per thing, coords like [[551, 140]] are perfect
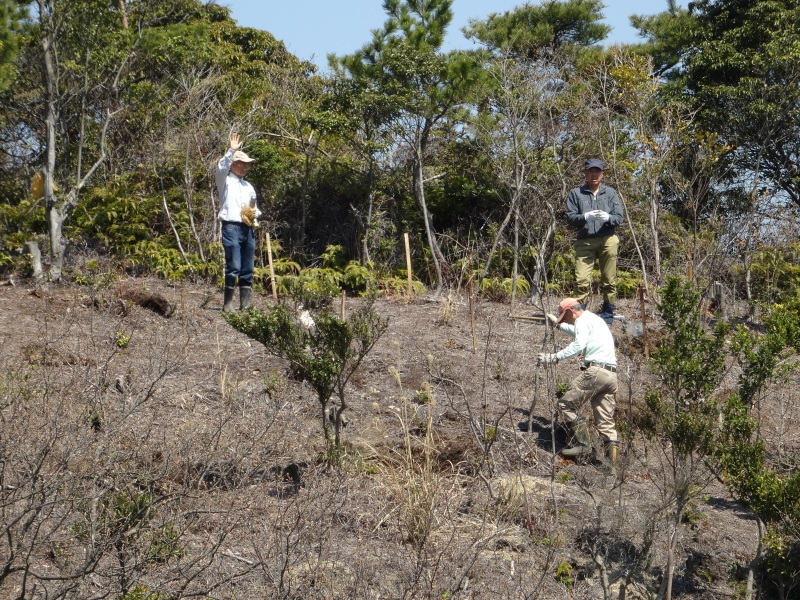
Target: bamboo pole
[[271, 269], [408, 263], [344, 294]]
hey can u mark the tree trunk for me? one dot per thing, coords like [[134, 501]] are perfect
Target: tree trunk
[[749, 592], [123, 13], [665, 592], [32, 248], [515, 268], [54, 217], [309, 150], [544, 255], [57, 245], [368, 226], [500, 231], [654, 233], [419, 196], [57, 215]]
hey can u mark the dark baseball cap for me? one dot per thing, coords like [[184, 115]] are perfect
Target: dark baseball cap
[[593, 163]]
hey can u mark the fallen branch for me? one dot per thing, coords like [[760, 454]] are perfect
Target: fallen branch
[[237, 557]]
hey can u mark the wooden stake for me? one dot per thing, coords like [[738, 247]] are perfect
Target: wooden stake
[[408, 263], [472, 314], [719, 300], [344, 294], [644, 324], [271, 269]]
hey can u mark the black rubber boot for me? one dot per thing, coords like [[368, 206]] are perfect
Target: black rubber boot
[[612, 453], [607, 313], [580, 444], [244, 297], [227, 303]]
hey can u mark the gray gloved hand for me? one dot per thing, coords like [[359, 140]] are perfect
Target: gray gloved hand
[[552, 319], [545, 358], [589, 216], [601, 215]]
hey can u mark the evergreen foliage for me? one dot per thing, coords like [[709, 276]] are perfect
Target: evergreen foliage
[[326, 355], [12, 12], [538, 31]]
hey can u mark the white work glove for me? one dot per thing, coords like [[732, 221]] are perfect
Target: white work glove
[[545, 358], [601, 216], [596, 215], [552, 319]]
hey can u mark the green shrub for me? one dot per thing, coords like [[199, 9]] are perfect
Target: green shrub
[[398, 285], [564, 574], [165, 545], [326, 355], [334, 257], [93, 275], [141, 592], [170, 264], [562, 271], [312, 287], [358, 278], [500, 290], [628, 282], [775, 272], [122, 339]]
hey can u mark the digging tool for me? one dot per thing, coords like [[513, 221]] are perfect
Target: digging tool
[[537, 318]]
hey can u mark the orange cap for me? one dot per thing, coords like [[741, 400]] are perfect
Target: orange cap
[[564, 306]]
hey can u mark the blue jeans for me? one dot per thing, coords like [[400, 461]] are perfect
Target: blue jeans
[[240, 248]]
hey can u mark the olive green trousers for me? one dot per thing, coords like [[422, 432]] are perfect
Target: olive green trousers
[[604, 251]]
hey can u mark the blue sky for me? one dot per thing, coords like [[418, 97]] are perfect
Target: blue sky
[[314, 28]]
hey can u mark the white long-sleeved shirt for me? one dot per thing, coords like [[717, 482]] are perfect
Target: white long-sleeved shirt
[[592, 337], [234, 192]]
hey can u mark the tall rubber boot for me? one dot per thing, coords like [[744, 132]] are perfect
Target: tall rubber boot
[[227, 303], [580, 442], [244, 297], [612, 453]]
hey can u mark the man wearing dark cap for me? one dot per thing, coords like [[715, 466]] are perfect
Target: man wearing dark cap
[[597, 382], [595, 210], [238, 213]]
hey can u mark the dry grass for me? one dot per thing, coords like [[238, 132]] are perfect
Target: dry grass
[[185, 464]]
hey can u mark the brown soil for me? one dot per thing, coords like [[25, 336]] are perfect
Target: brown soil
[[456, 493]]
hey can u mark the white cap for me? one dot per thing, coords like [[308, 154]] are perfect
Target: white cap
[[240, 156]]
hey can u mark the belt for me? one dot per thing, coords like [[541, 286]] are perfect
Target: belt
[[611, 368]]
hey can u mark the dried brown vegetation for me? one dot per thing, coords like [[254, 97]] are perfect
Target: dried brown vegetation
[[184, 463]]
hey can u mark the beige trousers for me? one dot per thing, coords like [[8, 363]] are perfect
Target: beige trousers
[[598, 386], [604, 251]]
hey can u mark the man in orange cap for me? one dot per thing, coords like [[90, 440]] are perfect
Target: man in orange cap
[[597, 381]]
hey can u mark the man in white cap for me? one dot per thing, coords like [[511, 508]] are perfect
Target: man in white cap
[[596, 383], [238, 213], [594, 210]]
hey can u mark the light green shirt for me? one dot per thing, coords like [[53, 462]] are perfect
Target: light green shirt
[[592, 338]]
